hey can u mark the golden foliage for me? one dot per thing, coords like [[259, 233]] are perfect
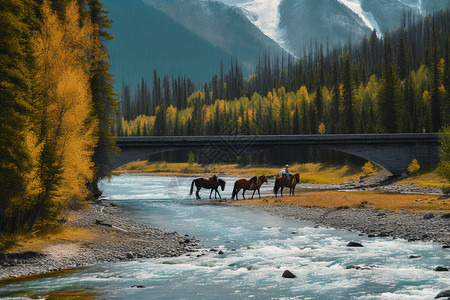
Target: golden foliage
[[367, 168], [413, 166], [322, 128], [302, 94], [66, 103]]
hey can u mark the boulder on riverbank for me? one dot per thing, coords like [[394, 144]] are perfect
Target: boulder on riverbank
[[428, 216]]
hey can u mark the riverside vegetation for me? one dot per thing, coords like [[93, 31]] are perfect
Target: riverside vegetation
[[57, 105]]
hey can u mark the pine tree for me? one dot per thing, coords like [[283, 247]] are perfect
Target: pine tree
[[160, 121], [334, 111], [402, 57], [389, 95], [446, 120], [436, 108], [407, 106], [103, 96], [318, 104], [156, 91], [16, 67], [296, 126], [125, 101], [347, 97]]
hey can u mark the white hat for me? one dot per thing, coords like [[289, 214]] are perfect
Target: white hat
[[287, 166]]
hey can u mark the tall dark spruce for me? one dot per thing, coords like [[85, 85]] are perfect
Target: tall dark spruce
[[103, 95], [16, 65]]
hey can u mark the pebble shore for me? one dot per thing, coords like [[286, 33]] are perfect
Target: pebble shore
[[410, 226], [117, 239], [374, 223]]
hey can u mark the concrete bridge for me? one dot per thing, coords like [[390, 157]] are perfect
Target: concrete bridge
[[394, 152]]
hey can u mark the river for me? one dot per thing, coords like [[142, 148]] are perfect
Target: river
[[257, 248]]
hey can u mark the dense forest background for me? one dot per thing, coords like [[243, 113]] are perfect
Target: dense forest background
[[396, 83], [57, 108]]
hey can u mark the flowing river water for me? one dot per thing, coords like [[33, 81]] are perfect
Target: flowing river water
[[257, 247]]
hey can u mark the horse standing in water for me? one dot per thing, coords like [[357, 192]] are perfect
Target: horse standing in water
[[282, 182], [253, 184], [212, 183]]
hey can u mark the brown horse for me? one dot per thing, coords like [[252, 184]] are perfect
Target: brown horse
[[212, 183], [253, 184], [282, 182]]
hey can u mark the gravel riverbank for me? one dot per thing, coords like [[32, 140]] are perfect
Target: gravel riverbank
[[374, 223], [410, 226], [116, 238]]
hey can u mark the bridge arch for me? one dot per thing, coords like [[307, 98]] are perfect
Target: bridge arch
[[394, 152]]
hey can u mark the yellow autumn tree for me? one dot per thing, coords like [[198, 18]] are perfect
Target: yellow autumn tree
[[414, 166], [322, 128], [65, 136]]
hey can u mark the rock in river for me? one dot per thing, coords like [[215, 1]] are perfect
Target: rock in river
[[354, 244], [443, 294], [288, 274]]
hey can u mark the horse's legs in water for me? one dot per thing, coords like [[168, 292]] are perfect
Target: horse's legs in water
[[217, 192], [243, 193], [237, 192], [254, 193], [210, 194], [281, 191], [196, 193], [259, 194]]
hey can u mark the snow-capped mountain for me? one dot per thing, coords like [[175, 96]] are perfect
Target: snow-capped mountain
[[294, 24], [190, 37]]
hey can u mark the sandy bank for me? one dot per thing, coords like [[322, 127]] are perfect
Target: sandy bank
[[115, 238]]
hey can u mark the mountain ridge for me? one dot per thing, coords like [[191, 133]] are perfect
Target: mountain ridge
[[192, 37]]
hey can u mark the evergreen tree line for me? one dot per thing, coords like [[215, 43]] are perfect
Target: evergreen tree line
[[145, 100], [397, 83], [58, 104]]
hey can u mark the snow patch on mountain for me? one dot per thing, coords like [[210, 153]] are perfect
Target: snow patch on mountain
[[367, 17], [264, 14], [414, 4]]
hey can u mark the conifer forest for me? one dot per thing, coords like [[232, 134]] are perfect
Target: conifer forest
[[394, 83]]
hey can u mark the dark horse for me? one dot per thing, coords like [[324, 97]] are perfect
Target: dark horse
[[282, 182], [212, 183], [248, 184]]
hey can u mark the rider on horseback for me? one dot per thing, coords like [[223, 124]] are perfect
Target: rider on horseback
[[286, 174], [214, 179]]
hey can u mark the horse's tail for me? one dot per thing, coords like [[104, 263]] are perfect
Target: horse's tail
[[234, 191], [252, 182], [275, 187], [192, 187]]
